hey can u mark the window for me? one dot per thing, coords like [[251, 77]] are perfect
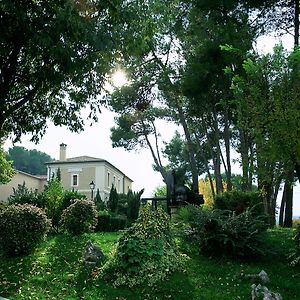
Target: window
[[108, 179], [119, 185], [74, 180]]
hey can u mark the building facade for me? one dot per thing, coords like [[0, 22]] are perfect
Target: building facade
[[78, 173], [32, 182]]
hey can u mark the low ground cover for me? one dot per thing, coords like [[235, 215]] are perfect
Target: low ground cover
[[55, 271]]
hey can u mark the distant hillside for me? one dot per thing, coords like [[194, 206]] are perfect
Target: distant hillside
[[29, 161]]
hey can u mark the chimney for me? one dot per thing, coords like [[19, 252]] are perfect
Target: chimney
[[62, 151]]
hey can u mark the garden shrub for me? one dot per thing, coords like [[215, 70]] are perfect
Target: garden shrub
[[54, 193], [146, 252], [100, 205], [117, 222], [134, 202], [113, 199], [294, 256], [122, 204], [223, 232], [22, 228], [239, 201], [79, 217], [108, 222], [103, 223], [23, 194], [3, 206], [69, 197]]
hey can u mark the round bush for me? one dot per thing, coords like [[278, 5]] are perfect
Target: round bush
[[79, 217], [146, 252], [22, 228]]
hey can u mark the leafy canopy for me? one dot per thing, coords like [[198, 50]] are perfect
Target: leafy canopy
[[54, 56]]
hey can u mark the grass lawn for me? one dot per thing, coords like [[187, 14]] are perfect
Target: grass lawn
[[55, 271]]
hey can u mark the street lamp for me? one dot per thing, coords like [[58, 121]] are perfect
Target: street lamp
[[92, 187]]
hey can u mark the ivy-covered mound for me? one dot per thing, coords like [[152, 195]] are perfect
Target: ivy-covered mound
[[146, 253]]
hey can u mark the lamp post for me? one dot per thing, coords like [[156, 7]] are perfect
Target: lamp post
[[92, 187]]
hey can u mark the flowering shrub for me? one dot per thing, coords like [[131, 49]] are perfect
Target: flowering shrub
[[22, 228], [79, 217], [146, 253]]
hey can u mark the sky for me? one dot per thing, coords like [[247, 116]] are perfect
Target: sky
[[95, 141]]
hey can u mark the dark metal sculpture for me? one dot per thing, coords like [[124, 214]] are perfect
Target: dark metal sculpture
[[177, 195]]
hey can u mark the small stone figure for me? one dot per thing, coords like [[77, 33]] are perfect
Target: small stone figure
[[92, 254]]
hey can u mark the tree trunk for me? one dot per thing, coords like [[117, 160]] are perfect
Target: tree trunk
[[217, 162], [191, 150], [296, 23], [282, 207], [227, 148], [206, 167], [247, 160], [288, 215]]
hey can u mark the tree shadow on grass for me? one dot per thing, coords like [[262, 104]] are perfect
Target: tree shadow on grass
[[13, 272], [176, 287]]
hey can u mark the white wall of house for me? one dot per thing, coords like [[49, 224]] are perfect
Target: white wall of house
[[102, 173]]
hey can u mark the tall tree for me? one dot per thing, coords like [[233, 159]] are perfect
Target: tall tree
[[53, 56], [269, 102], [29, 161]]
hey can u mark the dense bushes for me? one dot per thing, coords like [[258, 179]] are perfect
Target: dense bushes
[[239, 201], [23, 194], [223, 232], [22, 228], [294, 256], [79, 217], [146, 252], [110, 222], [122, 210]]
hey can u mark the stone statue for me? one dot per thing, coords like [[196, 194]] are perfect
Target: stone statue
[[92, 254]]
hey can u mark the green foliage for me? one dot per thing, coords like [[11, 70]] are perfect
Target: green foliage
[[79, 217], [108, 222], [103, 223], [239, 201], [23, 194], [122, 204], [22, 228], [69, 197], [220, 232], [117, 222], [53, 271], [29, 161], [54, 193], [160, 191], [100, 205], [6, 170], [3, 206], [112, 202], [294, 256], [133, 202], [60, 50], [146, 253]]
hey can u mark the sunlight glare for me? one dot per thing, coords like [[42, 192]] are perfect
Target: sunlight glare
[[119, 78]]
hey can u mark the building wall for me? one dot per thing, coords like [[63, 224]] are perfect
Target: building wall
[[101, 173], [31, 182], [127, 185]]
